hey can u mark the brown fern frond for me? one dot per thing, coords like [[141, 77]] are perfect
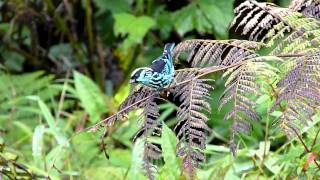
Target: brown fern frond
[[191, 119], [309, 8], [204, 53], [151, 126], [281, 28], [300, 90], [151, 152], [135, 100], [241, 88], [255, 19]]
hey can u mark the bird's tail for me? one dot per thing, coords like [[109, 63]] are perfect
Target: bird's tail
[[168, 48]]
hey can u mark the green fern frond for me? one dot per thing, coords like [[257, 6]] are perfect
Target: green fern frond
[[15, 88]]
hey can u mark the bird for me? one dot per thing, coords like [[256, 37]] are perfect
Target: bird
[[159, 74]]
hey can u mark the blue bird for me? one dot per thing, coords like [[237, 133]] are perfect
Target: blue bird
[[159, 74]]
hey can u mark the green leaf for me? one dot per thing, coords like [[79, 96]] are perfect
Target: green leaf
[[92, 99], [135, 27], [13, 60], [37, 145], [189, 18], [168, 144], [120, 157], [166, 26], [205, 16], [53, 128], [115, 173], [264, 148], [4, 27], [137, 161], [117, 6], [219, 14]]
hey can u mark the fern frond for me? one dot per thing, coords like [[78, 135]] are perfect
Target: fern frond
[[191, 119], [308, 8], [300, 90], [241, 88], [204, 53], [257, 18], [150, 127], [285, 30], [15, 88], [135, 100], [305, 35]]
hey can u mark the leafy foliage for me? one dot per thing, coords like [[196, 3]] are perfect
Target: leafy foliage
[[257, 86], [205, 16], [244, 68]]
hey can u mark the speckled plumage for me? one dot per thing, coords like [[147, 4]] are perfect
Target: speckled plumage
[[159, 74]]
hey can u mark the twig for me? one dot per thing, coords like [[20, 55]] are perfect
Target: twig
[[315, 139], [305, 146]]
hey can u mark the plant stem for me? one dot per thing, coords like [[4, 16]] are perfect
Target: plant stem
[[305, 146]]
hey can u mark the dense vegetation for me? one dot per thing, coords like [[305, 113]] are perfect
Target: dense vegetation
[[236, 109]]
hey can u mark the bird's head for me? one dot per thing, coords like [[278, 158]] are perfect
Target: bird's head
[[141, 75]]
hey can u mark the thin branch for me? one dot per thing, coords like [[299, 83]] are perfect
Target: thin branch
[[315, 139], [305, 146], [93, 127]]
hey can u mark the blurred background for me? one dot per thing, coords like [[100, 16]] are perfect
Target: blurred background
[[65, 64]]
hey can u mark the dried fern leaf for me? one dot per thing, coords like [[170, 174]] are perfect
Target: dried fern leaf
[[135, 100], [194, 97], [257, 18], [283, 29], [241, 87], [300, 90], [151, 127], [205, 53], [309, 8]]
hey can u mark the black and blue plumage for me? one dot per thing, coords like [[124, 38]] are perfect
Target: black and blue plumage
[[159, 74]]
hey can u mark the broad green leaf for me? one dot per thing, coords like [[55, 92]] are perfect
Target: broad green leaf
[[105, 172], [168, 144], [271, 164], [120, 157], [264, 148], [12, 60], [205, 16], [87, 147], [135, 171], [91, 97], [189, 18], [115, 6], [135, 27], [37, 145], [165, 25], [220, 14]]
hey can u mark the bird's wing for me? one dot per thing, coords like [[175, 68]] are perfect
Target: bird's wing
[[158, 65]]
